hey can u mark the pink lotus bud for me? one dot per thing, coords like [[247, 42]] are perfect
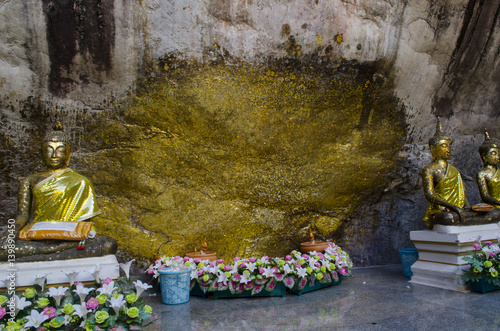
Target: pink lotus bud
[[343, 271], [252, 259], [305, 256], [227, 267], [197, 260], [288, 257], [261, 270], [200, 272], [220, 261], [236, 259], [243, 265], [476, 246], [185, 259]]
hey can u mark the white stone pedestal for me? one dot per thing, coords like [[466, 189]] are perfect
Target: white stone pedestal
[[440, 253], [56, 270]]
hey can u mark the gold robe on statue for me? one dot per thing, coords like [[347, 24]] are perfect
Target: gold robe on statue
[[494, 186], [65, 196], [450, 189]]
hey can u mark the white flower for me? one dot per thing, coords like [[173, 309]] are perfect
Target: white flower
[[312, 263], [71, 276], [477, 239], [117, 303], [194, 274], [141, 287], [21, 303], [268, 272], [222, 278], [245, 277], [107, 289], [67, 319], [95, 271], [301, 272], [287, 269], [81, 311], [35, 319], [57, 293], [251, 266], [234, 270], [40, 279], [126, 267], [82, 292]]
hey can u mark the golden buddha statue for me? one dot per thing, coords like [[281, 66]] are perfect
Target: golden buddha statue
[[488, 178], [444, 189], [57, 195]]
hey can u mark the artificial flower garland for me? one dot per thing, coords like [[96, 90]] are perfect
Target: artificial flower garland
[[255, 274]]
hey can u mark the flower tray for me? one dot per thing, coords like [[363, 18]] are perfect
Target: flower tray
[[482, 286], [316, 286], [279, 291]]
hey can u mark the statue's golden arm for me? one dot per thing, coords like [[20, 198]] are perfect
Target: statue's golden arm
[[428, 179], [483, 189], [24, 203]]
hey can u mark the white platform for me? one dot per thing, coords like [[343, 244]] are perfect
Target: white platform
[[56, 270], [440, 253]]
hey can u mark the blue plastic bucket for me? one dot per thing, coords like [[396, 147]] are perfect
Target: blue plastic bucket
[[408, 257], [175, 286]]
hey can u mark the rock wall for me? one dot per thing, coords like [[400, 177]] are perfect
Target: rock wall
[[247, 122]]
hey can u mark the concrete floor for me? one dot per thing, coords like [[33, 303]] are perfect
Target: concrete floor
[[374, 298]]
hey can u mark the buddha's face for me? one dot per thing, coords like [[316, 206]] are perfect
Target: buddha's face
[[492, 157], [442, 150], [56, 154]]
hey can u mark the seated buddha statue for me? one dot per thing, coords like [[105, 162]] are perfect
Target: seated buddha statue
[[57, 195], [444, 189], [488, 178]]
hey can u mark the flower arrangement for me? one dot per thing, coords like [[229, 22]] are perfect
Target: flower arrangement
[[105, 305], [256, 274], [484, 262]]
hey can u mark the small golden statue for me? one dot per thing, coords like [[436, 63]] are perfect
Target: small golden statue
[[488, 178], [59, 195], [444, 189]]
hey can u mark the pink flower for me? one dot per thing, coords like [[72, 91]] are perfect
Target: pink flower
[[157, 262], [343, 271], [317, 264], [212, 264], [150, 271], [288, 257], [274, 269], [261, 270], [227, 267], [305, 256], [197, 261], [265, 258], [117, 328], [236, 259], [298, 265], [220, 261], [2, 312], [492, 254], [185, 259], [321, 256], [200, 272], [49, 311], [92, 303], [78, 283], [177, 257], [476, 246], [162, 267], [243, 265], [252, 259], [107, 281], [489, 243]]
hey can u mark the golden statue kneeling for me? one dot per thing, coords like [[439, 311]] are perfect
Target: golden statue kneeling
[[488, 178], [63, 200], [444, 189]]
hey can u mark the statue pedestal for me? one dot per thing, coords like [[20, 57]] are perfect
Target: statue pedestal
[[440, 253], [25, 272]]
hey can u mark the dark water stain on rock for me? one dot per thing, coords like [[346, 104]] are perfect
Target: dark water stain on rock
[[77, 27]]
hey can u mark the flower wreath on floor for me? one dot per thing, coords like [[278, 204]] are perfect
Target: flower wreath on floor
[[484, 261], [105, 305], [255, 274]]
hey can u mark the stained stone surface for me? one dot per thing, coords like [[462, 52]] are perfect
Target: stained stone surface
[[246, 122]]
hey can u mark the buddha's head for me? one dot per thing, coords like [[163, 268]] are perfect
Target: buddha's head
[[440, 144], [489, 151], [55, 148]]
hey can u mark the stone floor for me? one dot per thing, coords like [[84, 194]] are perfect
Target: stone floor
[[375, 298]]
